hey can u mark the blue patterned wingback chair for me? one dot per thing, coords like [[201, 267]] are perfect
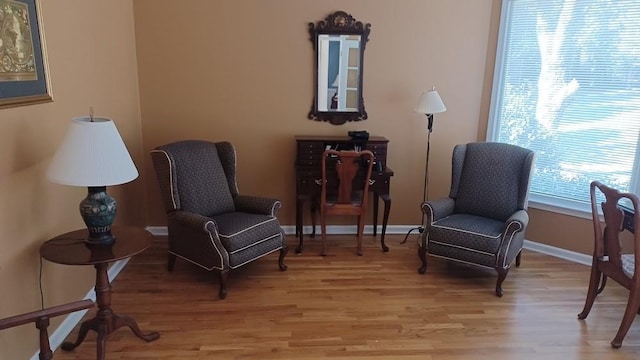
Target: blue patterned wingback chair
[[483, 221], [210, 224]]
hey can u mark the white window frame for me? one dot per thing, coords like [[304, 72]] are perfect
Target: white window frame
[[543, 202]]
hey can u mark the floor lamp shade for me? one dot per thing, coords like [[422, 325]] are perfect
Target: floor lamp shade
[[430, 103], [93, 154]]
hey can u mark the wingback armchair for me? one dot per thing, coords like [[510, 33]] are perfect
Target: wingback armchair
[[483, 221], [209, 223]]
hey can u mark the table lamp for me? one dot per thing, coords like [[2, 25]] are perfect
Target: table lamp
[[93, 154]]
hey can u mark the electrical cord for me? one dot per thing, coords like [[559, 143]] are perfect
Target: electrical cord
[[73, 241], [40, 284]]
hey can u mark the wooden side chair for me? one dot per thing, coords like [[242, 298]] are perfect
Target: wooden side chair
[[608, 259], [41, 318], [346, 178]]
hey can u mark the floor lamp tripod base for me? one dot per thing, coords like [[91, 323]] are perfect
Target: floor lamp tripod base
[[420, 230]]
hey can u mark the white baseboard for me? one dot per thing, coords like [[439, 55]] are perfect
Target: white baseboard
[[333, 229], [65, 328], [561, 253]]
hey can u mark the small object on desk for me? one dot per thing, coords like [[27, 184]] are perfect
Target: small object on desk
[[359, 135], [378, 166]]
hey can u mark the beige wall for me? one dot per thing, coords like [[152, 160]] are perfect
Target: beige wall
[[242, 71], [237, 70], [91, 53]]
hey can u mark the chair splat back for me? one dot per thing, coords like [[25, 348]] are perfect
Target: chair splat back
[[347, 165], [345, 184]]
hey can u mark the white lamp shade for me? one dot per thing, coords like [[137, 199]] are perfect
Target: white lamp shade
[[430, 103], [92, 154]]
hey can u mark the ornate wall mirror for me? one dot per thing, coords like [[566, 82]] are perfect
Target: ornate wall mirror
[[339, 42]]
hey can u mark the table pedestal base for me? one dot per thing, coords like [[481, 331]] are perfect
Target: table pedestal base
[[106, 321]]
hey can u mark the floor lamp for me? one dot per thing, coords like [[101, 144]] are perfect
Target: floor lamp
[[430, 103]]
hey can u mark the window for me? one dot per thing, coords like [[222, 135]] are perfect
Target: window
[[567, 86]]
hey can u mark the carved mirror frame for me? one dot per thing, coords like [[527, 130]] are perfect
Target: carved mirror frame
[[338, 24]]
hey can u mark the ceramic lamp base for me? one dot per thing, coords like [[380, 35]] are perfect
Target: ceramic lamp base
[[98, 210]]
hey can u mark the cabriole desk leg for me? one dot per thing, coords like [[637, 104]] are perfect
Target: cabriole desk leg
[[299, 233], [385, 218]]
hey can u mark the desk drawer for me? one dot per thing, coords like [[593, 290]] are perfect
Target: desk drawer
[[379, 183], [309, 153], [379, 151], [310, 181]]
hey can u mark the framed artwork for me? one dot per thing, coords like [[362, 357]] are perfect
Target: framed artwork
[[23, 77]]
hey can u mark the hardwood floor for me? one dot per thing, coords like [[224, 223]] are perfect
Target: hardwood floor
[[372, 307]]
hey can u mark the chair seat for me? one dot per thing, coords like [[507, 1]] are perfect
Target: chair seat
[[628, 264], [356, 198], [239, 231], [469, 232]]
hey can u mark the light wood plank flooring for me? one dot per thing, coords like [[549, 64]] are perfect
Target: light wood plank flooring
[[372, 307]]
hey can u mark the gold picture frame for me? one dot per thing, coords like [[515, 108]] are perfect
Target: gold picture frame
[[23, 67]]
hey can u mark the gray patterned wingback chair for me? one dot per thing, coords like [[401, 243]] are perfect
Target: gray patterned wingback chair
[[483, 221], [210, 224]]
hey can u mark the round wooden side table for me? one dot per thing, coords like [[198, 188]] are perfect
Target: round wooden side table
[[71, 249]]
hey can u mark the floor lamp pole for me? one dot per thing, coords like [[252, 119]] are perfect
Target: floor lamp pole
[[426, 178]]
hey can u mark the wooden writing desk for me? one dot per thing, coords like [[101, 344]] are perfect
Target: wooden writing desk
[[309, 174]]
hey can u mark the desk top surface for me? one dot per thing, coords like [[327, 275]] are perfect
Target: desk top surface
[[336, 138]]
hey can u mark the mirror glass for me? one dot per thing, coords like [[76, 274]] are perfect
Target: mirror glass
[[338, 72], [339, 42]]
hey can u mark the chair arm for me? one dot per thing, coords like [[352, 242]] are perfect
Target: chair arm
[[437, 209], [517, 222], [194, 221], [189, 234], [512, 238], [45, 313], [257, 205]]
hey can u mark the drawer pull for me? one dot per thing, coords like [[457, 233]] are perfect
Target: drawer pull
[[372, 181]]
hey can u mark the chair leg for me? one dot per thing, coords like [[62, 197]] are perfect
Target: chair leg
[[422, 254], [518, 258], [502, 274], [45, 348], [603, 283], [283, 253], [224, 276], [629, 314], [592, 292], [323, 228], [171, 261], [360, 234], [313, 208]]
